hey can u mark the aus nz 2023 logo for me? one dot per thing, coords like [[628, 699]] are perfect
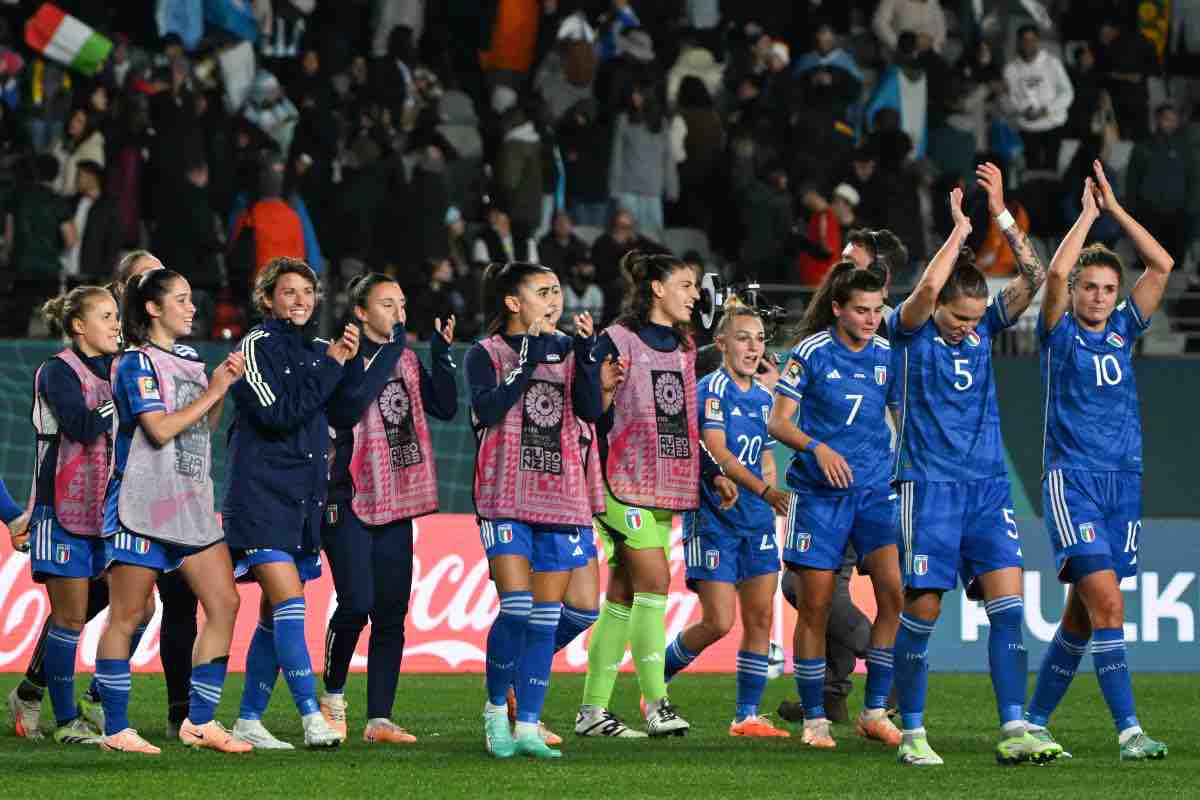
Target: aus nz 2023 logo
[[191, 446], [541, 427], [670, 414], [395, 407]]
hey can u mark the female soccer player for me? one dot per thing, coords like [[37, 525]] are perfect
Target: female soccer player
[[158, 509], [732, 555], [275, 480], [649, 440], [838, 378], [956, 504], [532, 390], [1092, 464], [383, 477]]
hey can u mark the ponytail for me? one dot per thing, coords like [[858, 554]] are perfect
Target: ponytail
[[501, 280], [839, 284], [639, 270]]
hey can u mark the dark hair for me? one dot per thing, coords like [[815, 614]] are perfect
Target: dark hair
[[1028, 28], [359, 289], [965, 281], [708, 359], [148, 287], [45, 167], [1097, 255], [501, 280], [1163, 108], [651, 112], [276, 268], [693, 94], [839, 284], [639, 270], [61, 311], [888, 253]]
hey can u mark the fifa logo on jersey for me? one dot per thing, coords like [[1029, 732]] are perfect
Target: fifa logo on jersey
[[141, 546], [62, 553], [712, 559], [1087, 532], [880, 375], [973, 339], [633, 519], [920, 565], [504, 533], [1115, 340], [804, 542]]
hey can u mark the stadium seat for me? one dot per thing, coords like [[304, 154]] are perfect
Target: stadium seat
[[681, 240], [458, 109], [589, 233]]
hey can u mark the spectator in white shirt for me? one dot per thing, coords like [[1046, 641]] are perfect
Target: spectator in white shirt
[[925, 18], [1039, 97]]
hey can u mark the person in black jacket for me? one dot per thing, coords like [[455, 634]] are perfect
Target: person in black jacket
[[100, 233], [275, 479]]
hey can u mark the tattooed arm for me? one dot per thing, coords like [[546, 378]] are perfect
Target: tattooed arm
[[1020, 291]]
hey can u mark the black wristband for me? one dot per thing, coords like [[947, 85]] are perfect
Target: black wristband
[[763, 493]]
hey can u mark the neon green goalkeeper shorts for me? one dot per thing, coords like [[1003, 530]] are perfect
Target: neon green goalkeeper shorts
[[636, 528]]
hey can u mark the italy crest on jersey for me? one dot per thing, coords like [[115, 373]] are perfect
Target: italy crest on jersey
[[141, 546], [880, 375], [1087, 532], [920, 565], [1115, 340], [804, 543], [973, 339], [504, 533], [62, 553], [712, 559], [633, 519]]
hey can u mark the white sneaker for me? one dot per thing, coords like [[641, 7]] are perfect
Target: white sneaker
[[26, 716], [253, 732], [663, 721], [318, 733], [597, 721], [333, 709]]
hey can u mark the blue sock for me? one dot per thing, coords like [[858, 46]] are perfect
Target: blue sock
[[261, 671], [1007, 658], [880, 673], [1059, 665], [59, 662], [505, 641], [1116, 684], [751, 681], [291, 650], [533, 676], [573, 622], [207, 682], [113, 676], [810, 683], [678, 657], [93, 689], [912, 669]]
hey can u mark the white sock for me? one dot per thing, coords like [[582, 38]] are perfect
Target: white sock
[[378, 721], [525, 730], [812, 723], [874, 713], [310, 719], [1014, 728], [337, 697], [914, 732], [1127, 734]]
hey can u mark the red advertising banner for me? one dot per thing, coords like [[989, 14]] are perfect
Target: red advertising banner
[[452, 605]]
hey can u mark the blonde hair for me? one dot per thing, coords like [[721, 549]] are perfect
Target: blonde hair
[[276, 268], [70, 306]]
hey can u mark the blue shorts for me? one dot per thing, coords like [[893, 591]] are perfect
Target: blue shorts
[[547, 548], [308, 565], [956, 530], [126, 547], [1093, 513], [725, 557], [55, 552], [820, 525]]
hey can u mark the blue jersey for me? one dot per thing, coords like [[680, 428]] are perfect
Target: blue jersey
[[135, 392], [949, 420], [843, 396], [1092, 420], [742, 416]]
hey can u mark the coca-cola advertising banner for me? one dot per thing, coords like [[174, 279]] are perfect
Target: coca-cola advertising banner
[[453, 604]]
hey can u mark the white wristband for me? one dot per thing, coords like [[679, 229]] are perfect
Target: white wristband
[[1005, 220]]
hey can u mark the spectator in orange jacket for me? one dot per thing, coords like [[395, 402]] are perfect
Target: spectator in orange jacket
[[826, 223], [276, 228]]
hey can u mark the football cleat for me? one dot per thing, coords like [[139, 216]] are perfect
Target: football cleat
[[212, 735], [26, 716], [497, 735], [756, 726], [1027, 748], [254, 733], [92, 710], [596, 721], [1141, 747], [318, 733], [881, 730], [816, 734], [915, 751], [534, 747], [128, 741], [78, 731], [664, 721], [387, 731], [333, 709]]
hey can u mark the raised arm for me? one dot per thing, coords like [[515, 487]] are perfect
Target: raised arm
[[917, 309], [1057, 298], [1148, 291], [1031, 274]]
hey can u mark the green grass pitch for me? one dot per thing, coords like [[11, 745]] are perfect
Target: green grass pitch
[[449, 761]]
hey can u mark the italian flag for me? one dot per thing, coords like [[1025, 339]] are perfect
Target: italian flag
[[63, 38]]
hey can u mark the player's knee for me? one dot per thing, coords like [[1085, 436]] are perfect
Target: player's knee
[[814, 610], [68, 620], [757, 621], [223, 605], [1107, 610], [652, 584], [718, 622]]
